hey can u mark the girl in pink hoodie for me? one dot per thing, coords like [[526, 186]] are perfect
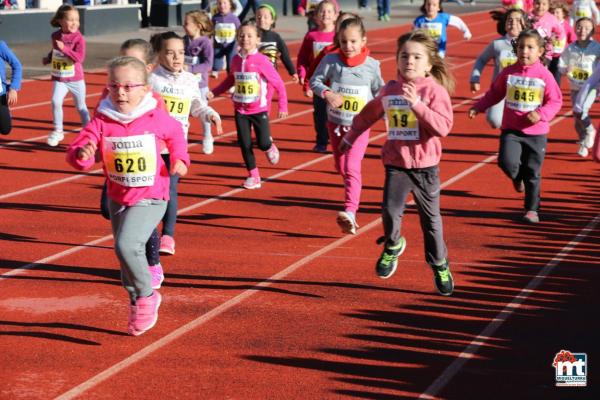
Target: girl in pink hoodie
[[532, 98], [251, 72], [418, 111], [128, 130]]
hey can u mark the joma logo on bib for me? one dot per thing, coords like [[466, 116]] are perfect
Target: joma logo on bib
[[127, 145]]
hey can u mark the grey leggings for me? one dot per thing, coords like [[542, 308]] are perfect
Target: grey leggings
[[59, 91], [132, 227]]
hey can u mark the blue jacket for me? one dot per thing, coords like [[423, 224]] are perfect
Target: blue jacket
[[8, 56]]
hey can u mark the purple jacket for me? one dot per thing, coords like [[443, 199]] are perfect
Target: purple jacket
[[199, 56]]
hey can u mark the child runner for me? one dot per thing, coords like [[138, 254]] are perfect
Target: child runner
[[552, 31], [435, 21], [128, 130], [250, 74], [67, 55], [418, 111], [8, 92], [584, 8], [510, 24], [199, 60], [313, 43], [226, 24], [181, 93], [348, 79], [532, 99], [561, 11], [578, 62]]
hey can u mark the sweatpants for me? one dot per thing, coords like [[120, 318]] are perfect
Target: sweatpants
[[224, 52], [494, 115], [5, 118], [320, 120], [349, 164], [424, 183], [584, 125], [244, 124], [521, 157], [170, 217], [132, 227], [59, 91]]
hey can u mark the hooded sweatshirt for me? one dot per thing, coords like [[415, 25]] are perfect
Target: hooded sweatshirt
[[199, 57], [501, 50], [67, 63]]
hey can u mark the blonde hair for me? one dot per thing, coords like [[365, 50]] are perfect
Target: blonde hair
[[126, 61], [439, 69], [203, 21], [142, 45], [60, 13]]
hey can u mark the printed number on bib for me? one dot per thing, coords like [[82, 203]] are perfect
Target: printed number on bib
[[402, 121], [580, 73], [62, 66], [247, 89], [581, 12], [130, 161], [524, 94], [354, 99], [558, 45], [177, 106], [507, 58], [433, 29], [224, 33]]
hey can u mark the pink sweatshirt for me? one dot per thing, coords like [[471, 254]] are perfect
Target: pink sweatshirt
[[158, 122], [74, 49], [569, 31], [515, 111], [548, 25], [312, 45], [258, 69], [434, 118]]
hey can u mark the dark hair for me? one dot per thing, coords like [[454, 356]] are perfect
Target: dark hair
[[559, 4], [439, 68], [424, 11], [141, 44], [60, 14], [583, 19], [356, 22], [157, 40], [251, 23], [543, 43], [323, 3], [502, 17]]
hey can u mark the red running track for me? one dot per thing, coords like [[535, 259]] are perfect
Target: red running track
[[265, 298]]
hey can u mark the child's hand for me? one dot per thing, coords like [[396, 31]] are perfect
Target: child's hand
[[473, 112], [302, 12], [12, 97], [409, 92], [334, 100], [87, 151], [344, 146], [282, 114], [301, 81], [60, 45], [179, 168], [309, 93], [210, 95], [467, 36], [533, 117], [475, 87], [295, 78], [217, 121]]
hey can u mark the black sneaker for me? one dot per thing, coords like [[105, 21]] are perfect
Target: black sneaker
[[443, 278], [388, 261]]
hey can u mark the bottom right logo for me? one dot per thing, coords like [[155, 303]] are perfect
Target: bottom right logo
[[571, 368]]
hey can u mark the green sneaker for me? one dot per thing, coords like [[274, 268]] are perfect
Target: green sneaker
[[443, 278], [388, 261]]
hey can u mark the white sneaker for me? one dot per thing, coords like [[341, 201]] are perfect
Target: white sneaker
[[214, 74], [347, 222], [583, 151], [588, 141], [252, 182], [55, 138], [208, 145]]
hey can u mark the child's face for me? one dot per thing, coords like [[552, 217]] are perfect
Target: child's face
[[172, 55], [138, 53], [540, 7], [224, 6], [126, 88], [413, 61], [190, 27], [70, 22], [583, 30], [514, 24], [432, 7], [351, 41], [528, 51], [559, 14], [264, 19], [247, 38], [326, 16]]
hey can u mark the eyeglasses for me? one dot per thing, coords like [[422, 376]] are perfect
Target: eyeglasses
[[127, 87]]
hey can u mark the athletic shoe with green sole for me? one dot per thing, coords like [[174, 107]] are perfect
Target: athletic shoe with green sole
[[388, 261], [444, 283]]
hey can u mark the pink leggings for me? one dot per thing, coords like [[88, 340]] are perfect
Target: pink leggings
[[349, 164]]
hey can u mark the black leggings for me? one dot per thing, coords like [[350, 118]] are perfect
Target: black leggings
[[262, 130], [5, 119]]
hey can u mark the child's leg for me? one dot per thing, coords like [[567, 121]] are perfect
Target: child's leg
[[262, 130], [152, 246], [509, 157], [494, 115], [104, 201], [320, 121], [230, 51], [132, 227], [427, 198], [534, 150], [77, 89], [59, 91], [170, 216], [206, 125], [396, 188], [218, 59], [588, 127], [5, 119], [242, 123]]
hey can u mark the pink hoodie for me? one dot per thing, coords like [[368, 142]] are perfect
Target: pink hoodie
[[74, 49], [551, 99], [157, 122], [262, 68], [548, 26], [313, 43], [434, 117]]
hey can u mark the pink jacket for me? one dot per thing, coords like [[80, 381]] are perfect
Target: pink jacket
[[569, 31], [259, 63], [549, 26], [526, 5], [157, 122], [517, 120], [74, 49], [312, 41], [434, 115]]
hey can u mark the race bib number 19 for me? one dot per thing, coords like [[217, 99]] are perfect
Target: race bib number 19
[[402, 121]]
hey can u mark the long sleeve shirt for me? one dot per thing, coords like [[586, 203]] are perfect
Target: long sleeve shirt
[[578, 63], [199, 57], [311, 46], [414, 131], [592, 83], [273, 46], [436, 28], [525, 88], [584, 8], [226, 26], [67, 64], [548, 26], [6, 55], [501, 50]]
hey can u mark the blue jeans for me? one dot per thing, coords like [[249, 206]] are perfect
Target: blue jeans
[[383, 7], [227, 52], [170, 216]]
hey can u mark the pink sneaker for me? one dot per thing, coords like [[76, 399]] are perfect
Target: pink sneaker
[[273, 154], [144, 314], [156, 272], [167, 245], [252, 182]]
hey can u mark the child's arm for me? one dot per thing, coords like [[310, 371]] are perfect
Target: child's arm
[[80, 154], [563, 61], [493, 96], [202, 111], [595, 12], [285, 57], [460, 24], [552, 100], [320, 76], [177, 146], [223, 86], [370, 114], [75, 53], [16, 75], [303, 61], [437, 116], [206, 61], [268, 71], [487, 54]]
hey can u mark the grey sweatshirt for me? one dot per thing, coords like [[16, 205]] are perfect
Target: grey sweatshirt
[[501, 50]]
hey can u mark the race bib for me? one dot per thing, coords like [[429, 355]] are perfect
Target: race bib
[[582, 11], [191, 60], [318, 47], [130, 161], [580, 73], [178, 107], [433, 29], [558, 45], [402, 122], [224, 32], [62, 66], [247, 87], [311, 5], [354, 100], [518, 4], [524, 94], [507, 57]]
